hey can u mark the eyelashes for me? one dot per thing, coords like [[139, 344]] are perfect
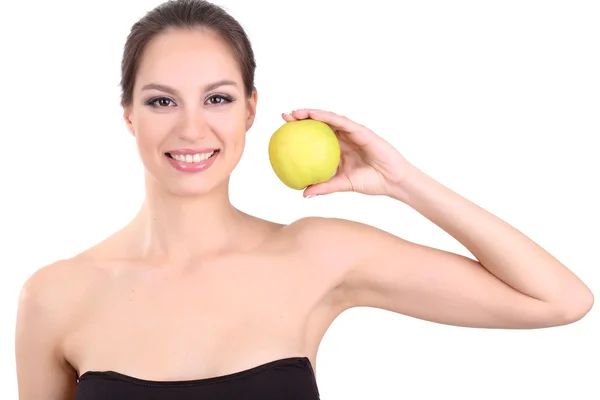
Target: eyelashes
[[164, 102], [153, 102]]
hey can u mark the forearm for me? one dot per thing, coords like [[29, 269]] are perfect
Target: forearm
[[500, 248]]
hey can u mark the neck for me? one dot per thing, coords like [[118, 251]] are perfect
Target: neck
[[176, 229]]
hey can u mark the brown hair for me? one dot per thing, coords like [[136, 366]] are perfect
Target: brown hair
[[185, 14]]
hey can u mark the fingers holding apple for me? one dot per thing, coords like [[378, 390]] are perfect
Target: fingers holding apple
[[323, 152], [347, 129]]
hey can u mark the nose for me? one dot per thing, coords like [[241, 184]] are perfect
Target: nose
[[193, 126]]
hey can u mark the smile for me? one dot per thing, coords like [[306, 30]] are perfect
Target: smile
[[191, 160]]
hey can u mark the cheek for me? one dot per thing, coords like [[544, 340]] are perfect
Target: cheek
[[151, 130], [230, 128]]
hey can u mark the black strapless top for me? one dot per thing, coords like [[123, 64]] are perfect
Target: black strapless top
[[285, 379]]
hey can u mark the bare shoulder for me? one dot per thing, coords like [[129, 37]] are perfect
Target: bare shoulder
[[335, 243], [48, 303], [326, 235], [49, 295], [328, 225], [60, 282]]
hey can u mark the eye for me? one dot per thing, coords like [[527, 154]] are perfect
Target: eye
[[160, 102], [219, 99]]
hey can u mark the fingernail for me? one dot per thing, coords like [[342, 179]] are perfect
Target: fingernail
[[310, 195]]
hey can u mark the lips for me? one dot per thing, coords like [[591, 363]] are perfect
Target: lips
[[192, 160]]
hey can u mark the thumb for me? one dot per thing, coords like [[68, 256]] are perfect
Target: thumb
[[338, 183]]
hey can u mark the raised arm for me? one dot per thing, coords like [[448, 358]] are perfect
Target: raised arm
[[515, 283], [512, 283], [42, 372]]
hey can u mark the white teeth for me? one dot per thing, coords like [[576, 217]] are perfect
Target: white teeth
[[192, 158]]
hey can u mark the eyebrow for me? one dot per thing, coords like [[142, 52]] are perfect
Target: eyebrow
[[208, 87]]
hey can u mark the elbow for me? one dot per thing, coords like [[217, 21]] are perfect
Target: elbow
[[574, 307]]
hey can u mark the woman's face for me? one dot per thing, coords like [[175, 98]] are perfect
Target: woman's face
[[189, 112]]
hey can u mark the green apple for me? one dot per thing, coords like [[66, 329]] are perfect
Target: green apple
[[304, 152]]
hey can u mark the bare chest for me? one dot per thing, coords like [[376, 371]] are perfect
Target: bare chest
[[199, 324]]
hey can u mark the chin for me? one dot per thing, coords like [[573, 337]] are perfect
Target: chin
[[193, 185], [178, 182], [194, 190]]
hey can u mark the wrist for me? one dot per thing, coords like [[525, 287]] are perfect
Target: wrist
[[404, 189]]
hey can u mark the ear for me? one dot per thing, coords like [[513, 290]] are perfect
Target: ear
[[127, 118], [251, 107]]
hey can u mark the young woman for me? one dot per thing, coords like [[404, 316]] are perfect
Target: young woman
[[194, 299]]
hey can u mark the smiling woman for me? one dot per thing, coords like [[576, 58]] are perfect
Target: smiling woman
[[189, 81], [195, 299]]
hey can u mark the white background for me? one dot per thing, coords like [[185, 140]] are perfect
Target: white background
[[497, 100]]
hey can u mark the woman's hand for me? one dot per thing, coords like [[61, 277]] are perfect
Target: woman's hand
[[369, 164]]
